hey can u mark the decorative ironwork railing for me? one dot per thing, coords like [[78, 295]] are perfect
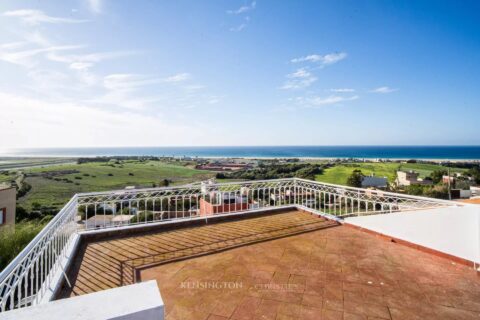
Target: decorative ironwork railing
[[29, 278], [26, 280]]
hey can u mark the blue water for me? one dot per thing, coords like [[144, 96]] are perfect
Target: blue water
[[367, 152]]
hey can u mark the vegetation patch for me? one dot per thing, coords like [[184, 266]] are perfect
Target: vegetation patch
[[276, 171], [14, 238]]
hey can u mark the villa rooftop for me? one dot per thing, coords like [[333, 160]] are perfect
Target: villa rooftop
[[286, 265]]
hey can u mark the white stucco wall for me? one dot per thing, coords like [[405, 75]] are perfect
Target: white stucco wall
[[453, 230], [141, 301]]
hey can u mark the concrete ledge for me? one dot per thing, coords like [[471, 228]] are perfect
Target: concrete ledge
[[451, 232], [141, 301]]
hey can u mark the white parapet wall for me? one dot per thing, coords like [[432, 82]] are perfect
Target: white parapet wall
[[453, 230], [141, 301]]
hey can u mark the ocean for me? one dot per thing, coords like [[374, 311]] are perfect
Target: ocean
[[361, 152]]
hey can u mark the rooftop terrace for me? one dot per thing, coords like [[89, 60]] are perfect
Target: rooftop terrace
[[275, 249], [289, 265]]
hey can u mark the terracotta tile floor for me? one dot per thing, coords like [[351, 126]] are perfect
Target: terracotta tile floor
[[332, 272]]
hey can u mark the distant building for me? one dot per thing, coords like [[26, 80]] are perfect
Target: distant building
[[408, 178], [8, 200], [475, 191], [224, 202], [449, 179], [101, 221], [223, 166], [460, 194], [374, 182]]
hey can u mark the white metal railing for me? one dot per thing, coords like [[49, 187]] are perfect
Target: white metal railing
[[28, 277]]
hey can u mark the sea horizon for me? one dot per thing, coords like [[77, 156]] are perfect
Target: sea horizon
[[396, 152]]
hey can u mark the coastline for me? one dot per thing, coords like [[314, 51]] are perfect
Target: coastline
[[305, 153], [373, 159]]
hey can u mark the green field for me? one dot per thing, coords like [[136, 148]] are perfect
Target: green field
[[340, 173], [53, 186]]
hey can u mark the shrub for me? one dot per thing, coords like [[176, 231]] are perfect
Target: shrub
[[142, 218], [24, 189], [164, 183], [22, 214], [14, 238]]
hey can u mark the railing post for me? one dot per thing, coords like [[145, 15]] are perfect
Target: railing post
[[295, 188], [358, 202]]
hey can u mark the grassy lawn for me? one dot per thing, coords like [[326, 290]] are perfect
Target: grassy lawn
[[66, 180], [426, 169], [339, 173], [5, 178]]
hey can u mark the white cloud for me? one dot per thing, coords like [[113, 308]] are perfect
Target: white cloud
[[128, 81], [95, 6], [195, 87], [244, 9], [34, 17], [83, 61], [130, 91], [124, 91], [25, 57], [301, 78], [383, 90], [81, 65], [342, 90], [300, 73], [31, 122], [327, 59], [178, 77], [12, 45], [316, 101], [238, 28]]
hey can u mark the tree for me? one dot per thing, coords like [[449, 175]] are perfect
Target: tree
[[415, 190], [475, 174], [355, 179], [439, 192], [164, 183], [437, 175], [220, 175]]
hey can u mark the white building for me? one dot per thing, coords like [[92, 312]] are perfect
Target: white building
[[408, 178], [475, 191]]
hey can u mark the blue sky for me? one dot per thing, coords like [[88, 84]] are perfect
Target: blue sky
[[165, 73]]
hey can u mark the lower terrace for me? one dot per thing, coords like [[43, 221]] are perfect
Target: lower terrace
[[274, 249]]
